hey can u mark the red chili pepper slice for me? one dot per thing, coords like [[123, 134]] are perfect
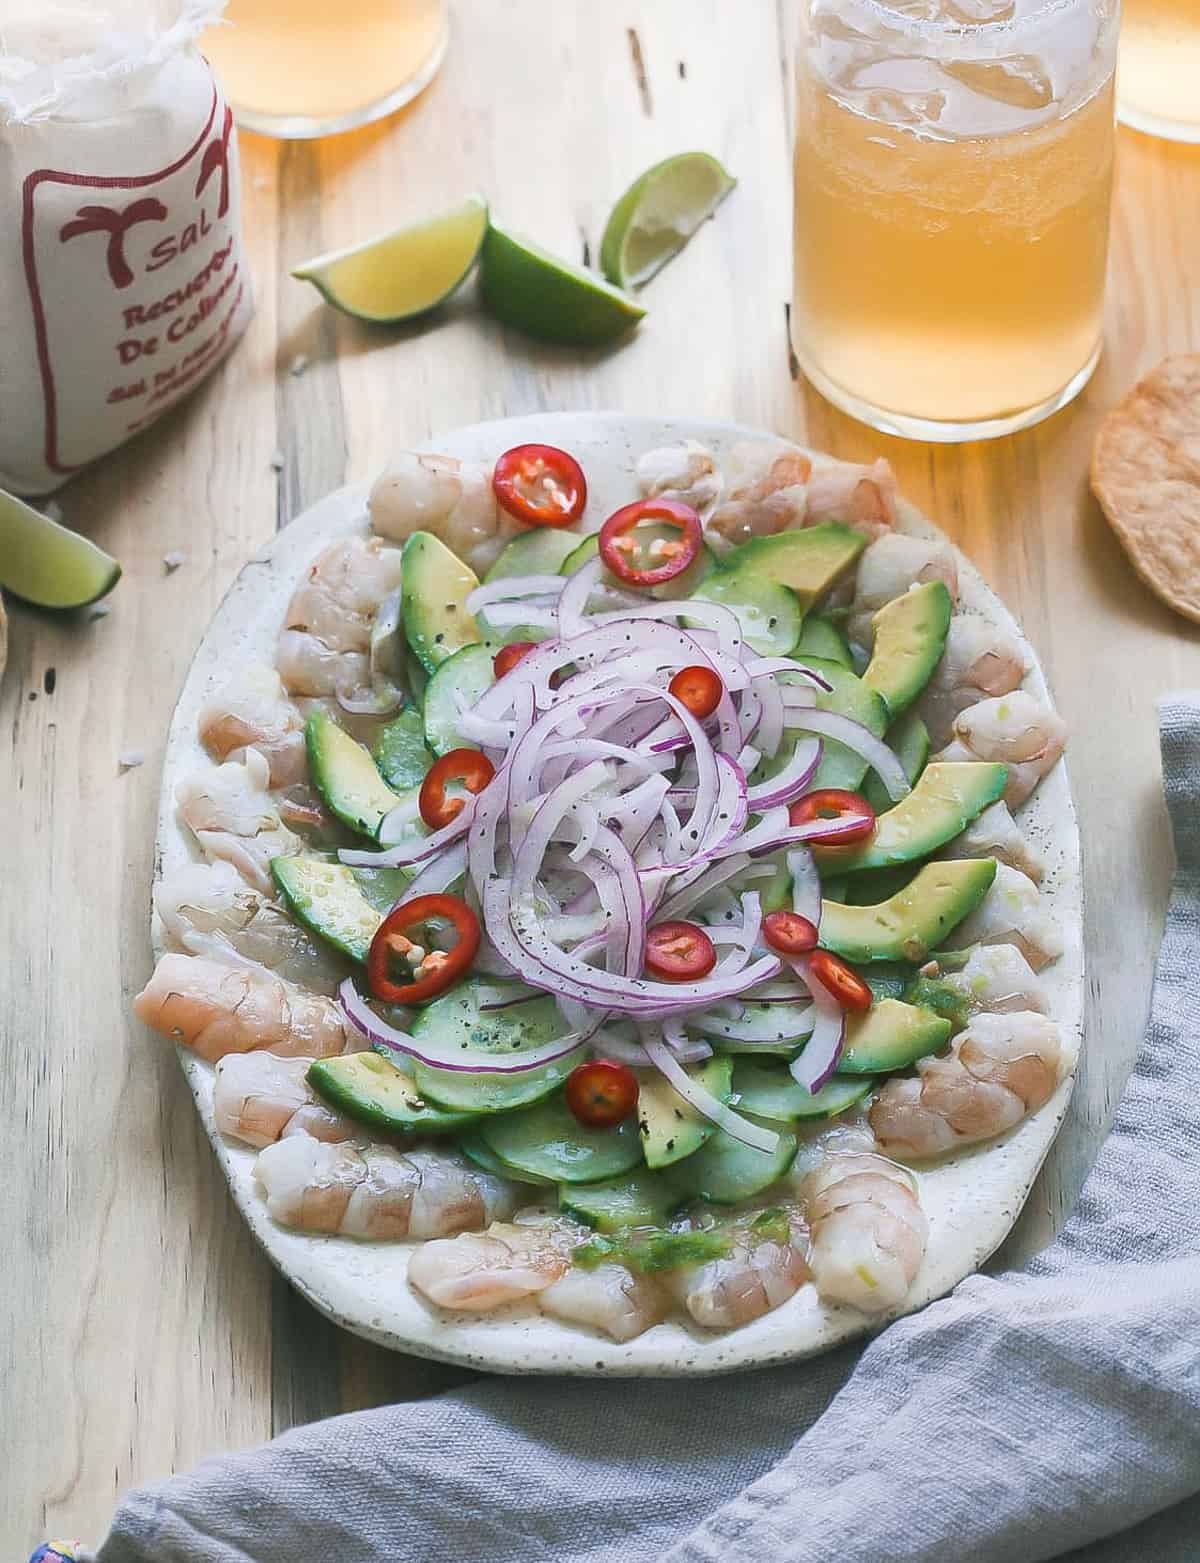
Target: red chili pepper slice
[[842, 981], [833, 804], [699, 689], [436, 970], [789, 933], [601, 1093], [679, 952], [540, 485], [619, 550], [468, 766], [508, 656]]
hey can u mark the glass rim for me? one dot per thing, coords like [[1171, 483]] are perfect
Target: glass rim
[[1013, 25]]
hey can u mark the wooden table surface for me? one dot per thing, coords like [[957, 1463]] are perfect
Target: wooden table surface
[[139, 1327]]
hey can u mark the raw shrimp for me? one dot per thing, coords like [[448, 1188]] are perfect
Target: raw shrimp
[[215, 1009], [233, 817], [858, 496], [326, 639], [887, 569], [452, 499], [766, 492], [996, 834], [687, 472], [756, 1276], [610, 1298], [979, 660], [259, 1098], [374, 1191], [209, 909], [480, 1271], [998, 1070], [256, 710], [1016, 729], [868, 1231], [997, 979], [1012, 913]]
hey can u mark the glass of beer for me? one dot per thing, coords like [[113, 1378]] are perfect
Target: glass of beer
[[953, 176], [1159, 81], [299, 68]]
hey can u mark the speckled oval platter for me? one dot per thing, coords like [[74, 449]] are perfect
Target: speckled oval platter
[[972, 1200]]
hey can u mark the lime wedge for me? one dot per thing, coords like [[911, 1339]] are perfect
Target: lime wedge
[[47, 564], [527, 287], [658, 214], [404, 273]]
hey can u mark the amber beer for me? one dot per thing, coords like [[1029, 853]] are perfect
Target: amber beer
[[311, 67], [1160, 67], [952, 189]]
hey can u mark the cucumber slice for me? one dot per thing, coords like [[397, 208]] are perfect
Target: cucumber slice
[[908, 739], [400, 753], [651, 532], [669, 1128], [636, 1199], [433, 599], [457, 684], [549, 1140], [346, 776], [769, 614], [372, 1090], [475, 1149], [343, 905], [849, 696], [540, 552], [786, 1022], [725, 1171], [456, 1020], [766, 1091], [821, 638]]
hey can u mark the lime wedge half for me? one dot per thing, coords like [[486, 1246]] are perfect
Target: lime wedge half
[[527, 287], [47, 564], [404, 273], [658, 214]]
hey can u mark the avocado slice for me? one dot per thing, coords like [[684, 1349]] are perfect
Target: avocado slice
[[399, 750], [820, 637], [434, 588], [891, 1035], [914, 921], [346, 776], [669, 1128], [908, 739], [941, 998], [808, 561], [910, 636], [460, 681], [343, 905], [946, 798], [371, 1090]]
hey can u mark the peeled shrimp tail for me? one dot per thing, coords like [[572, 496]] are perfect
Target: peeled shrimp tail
[[758, 1275], [480, 1271], [1002, 1067], [979, 660], [373, 1191], [259, 1098], [996, 834], [860, 497], [255, 711], [687, 472], [419, 492], [869, 1232], [1012, 912], [326, 636], [234, 818], [215, 1009], [1016, 729]]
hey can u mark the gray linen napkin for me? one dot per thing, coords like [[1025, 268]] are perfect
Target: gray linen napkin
[[1024, 1416]]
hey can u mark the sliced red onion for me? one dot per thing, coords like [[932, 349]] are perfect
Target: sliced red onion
[[768, 735], [573, 601], [417, 848], [823, 1049], [462, 1060], [382, 699], [711, 615], [606, 1045], [382, 660], [789, 782], [439, 874], [830, 724], [704, 1102], [511, 586], [806, 885], [774, 831], [746, 936], [757, 667], [537, 614], [773, 1027]]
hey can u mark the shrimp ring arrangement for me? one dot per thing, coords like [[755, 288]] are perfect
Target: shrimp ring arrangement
[[619, 905]]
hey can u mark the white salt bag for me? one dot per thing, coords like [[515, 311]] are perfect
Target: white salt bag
[[122, 275]]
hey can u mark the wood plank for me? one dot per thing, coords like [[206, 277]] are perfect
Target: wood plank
[[140, 1329]]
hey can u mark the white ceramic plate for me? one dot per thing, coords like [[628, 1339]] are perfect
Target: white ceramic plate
[[971, 1200]]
